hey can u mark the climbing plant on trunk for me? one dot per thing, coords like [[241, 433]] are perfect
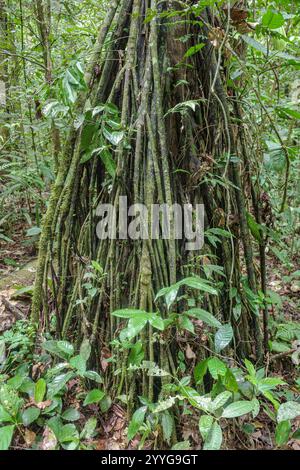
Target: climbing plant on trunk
[[158, 123]]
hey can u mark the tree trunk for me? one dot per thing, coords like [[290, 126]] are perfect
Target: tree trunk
[[179, 139]]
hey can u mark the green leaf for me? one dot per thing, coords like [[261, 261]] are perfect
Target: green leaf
[[58, 383], [205, 316], [65, 347], [108, 162], [94, 396], [39, 391], [6, 435], [114, 137], [92, 375], [30, 415], [33, 232], [89, 428], [198, 284], [255, 228], [282, 433], [223, 337], [272, 19], [288, 410], [193, 50], [239, 408], [5, 417], [132, 313], [230, 382], [158, 323], [71, 414], [167, 423], [220, 400], [79, 363], [216, 367], [184, 445], [289, 112], [200, 371], [85, 350], [135, 326], [205, 424], [214, 438], [250, 368], [186, 324], [136, 422], [136, 354]]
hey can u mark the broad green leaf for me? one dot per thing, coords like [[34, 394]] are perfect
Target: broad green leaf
[[58, 383], [92, 375], [89, 428], [34, 231], [79, 363], [167, 423], [193, 50], [132, 313], [255, 228], [114, 137], [66, 348], [205, 424], [282, 433], [186, 324], [250, 368], [184, 445], [30, 415], [135, 326], [71, 414], [216, 367], [136, 422], [5, 417], [200, 371], [94, 396], [205, 316], [39, 391], [230, 382], [6, 435], [198, 284], [109, 162], [85, 349], [221, 400], [158, 323], [223, 337], [272, 19], [214, 438], [239, 408], [288, 410], [165, 404]]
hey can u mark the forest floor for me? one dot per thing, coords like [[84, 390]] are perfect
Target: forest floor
[[17, 273]]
